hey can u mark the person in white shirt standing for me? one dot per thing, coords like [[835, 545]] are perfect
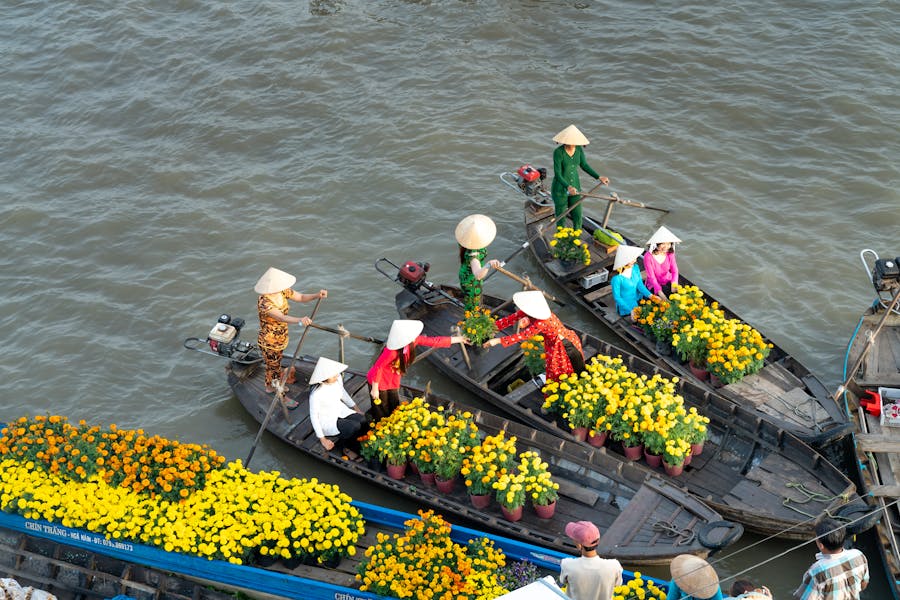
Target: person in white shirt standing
[[331, 409], [588, 577]]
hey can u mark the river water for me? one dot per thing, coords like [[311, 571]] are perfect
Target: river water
[[160, 157]]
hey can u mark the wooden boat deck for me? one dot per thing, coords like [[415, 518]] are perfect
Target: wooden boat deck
[[878, 446], [635, 511], [751, 471], [784, 392], [71, 573]]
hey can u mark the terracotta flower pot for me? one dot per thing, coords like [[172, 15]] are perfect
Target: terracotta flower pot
[[633, 452], [698, 372], [396, 471], [598, 440], [480, 500], [687, 459], [445, 486], [715, 381], [697, 449], [673, 470], [414, 468], [580, 433], [512, 514], [545, 511], [427, 478], [653, 460]]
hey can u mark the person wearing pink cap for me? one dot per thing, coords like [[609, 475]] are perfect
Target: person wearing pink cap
[[588, 577]]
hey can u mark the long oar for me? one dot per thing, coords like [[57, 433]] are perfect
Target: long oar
[[529, 285], [613, 197], [344, 333], [541, 229], [279, 395]]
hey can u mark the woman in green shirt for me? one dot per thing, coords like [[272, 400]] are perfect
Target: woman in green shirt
[[473, 234], [567, 159]]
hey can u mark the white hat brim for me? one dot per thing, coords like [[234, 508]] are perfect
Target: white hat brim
[[663, 235], [626, 254], [403, 332], [571, 136], [475, 232], [274, 280], [326, 369], [533, 304]]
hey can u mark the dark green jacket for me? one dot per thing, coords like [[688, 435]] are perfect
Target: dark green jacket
[[565, 170]]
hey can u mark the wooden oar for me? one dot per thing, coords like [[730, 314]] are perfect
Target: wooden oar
[[869, 343], [541, 229], [525, 281], [462, 346], [613, 197], [344, 333], [279, 395]]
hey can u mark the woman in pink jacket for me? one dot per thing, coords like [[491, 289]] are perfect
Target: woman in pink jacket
[[660, 266]]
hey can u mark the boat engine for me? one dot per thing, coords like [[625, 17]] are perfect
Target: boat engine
[[412, 274], [530, 179], [886, 274], [223, 337]]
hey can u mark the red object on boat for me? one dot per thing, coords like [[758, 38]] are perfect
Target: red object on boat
[[528, 173], [871, 403]]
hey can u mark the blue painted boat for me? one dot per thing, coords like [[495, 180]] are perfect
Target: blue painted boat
[[311, 583]]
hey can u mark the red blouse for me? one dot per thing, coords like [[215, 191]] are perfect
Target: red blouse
[[554, 333], [386, 370]]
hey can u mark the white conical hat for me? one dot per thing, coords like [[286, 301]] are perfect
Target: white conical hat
[[626, 254], [662, 235], [274, 280], [403, 332], [694, 576], [325, 369], [572, 136], [475, 232], [532, 303]]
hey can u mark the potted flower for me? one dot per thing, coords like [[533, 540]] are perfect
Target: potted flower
[[652, 314], [736, 350], [568, 247], [539, 484], [573, 398], [534, 356], [454, 442], [695, 430], [485, 463], [478, 325], [509, 488], [638, 588], [676, 450]]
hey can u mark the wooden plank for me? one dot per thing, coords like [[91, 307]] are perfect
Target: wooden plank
[[884, 442], [597, 294], [885, 491]]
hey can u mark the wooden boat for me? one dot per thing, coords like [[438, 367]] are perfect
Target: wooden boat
[[784, 392], [75, 564], [644, 519], [752, 472], [872, 377]]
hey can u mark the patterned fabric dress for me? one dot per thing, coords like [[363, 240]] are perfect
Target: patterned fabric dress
[[468, 283], [273, 335], [554, 333]]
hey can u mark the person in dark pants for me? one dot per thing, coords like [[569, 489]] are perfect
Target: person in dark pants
[[332, 412], [567, 159]]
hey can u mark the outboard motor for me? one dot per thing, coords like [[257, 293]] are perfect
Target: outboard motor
[[412, 274], [223, 337], [530, 179], [886, 274]]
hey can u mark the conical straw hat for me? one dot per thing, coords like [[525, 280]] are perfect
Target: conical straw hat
[[662, 235], [475, 232], [403, 332], [572, 136], [532, 303], [626, 254], [325, 369], [694, 576], [274, 280]]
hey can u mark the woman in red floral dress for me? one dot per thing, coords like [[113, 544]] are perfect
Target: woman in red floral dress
[[537, 319]]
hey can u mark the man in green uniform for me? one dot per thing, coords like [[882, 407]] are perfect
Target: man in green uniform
[[567, 159]]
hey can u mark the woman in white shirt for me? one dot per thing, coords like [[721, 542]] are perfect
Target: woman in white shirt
[[331, 409]]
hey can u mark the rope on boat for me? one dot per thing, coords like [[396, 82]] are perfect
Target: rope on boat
[[683, 536], [809, 496]]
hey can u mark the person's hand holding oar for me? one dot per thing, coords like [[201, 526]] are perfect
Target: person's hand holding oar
[[279, 386]]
